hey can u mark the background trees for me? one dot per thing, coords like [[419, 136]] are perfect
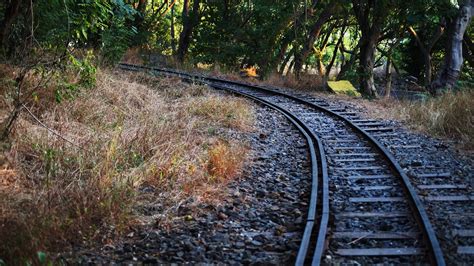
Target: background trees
[[326, 38]]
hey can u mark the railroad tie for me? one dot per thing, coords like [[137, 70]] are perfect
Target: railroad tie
[[405, 146], [372, 188], [368, 176], [450, 198], [373, 214], [376, 235], [355, 154], [347, 113], [342, 140], [381, 129], [380, 251], [376, 199], [364, 121], [352, 148], [442, 186], [376, 124], [464, 232], [360, 168], [355, 160], [467, 250], [430, 175], [337, 109], [384, 135]]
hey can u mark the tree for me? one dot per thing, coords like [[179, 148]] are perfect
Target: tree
[[190, 20], [426, 50], [451, 69], [12, 11], [370, 16], [313, 35]]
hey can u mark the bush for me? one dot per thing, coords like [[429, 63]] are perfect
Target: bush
[[115, 42]]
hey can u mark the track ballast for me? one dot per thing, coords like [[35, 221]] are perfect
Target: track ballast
[[375, 214]]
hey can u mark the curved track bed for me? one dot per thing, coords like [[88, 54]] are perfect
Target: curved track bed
[[363, 207]]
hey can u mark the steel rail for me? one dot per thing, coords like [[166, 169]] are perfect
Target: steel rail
[[429, 235]]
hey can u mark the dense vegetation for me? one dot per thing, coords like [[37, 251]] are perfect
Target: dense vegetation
[[71, 168], [428, 39]]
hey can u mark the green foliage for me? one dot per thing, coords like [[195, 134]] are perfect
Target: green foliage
[[118, 36], [41, 257], [242, 34], [84, 69], [68, 24], [234, 34], [89, 17], [115, 42]]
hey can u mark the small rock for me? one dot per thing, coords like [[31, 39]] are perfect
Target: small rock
[[239, 244], [222, 216]]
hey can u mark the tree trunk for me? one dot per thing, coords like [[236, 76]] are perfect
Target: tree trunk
[[426, 51], [285, 61], [468, 49], [336, 48], [173, 39], [366, 67], [190, 20], [140, 15], [347, 64], [11, 13], [388, 77], [313, 36], [290, 67], [449, 73], [371, 31]]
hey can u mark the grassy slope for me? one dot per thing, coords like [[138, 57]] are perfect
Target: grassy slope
[[133, 131]]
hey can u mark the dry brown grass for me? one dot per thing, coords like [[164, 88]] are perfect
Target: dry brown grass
[[133, 56], [449, 116], [133, 130], [233, 114], [306, 82]]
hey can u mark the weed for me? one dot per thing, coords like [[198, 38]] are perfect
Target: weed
[[225, 160]]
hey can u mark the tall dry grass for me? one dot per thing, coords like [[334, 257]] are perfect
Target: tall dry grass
[[130, 131], [450, 115], [305, 82]]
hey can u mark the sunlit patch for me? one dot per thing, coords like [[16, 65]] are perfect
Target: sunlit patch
[[250, 72], [343, 87]]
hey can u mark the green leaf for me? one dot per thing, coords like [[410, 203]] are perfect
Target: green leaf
[[83, 31], [41, 257]]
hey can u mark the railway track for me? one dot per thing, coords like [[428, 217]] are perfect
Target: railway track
[[363, 207]]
